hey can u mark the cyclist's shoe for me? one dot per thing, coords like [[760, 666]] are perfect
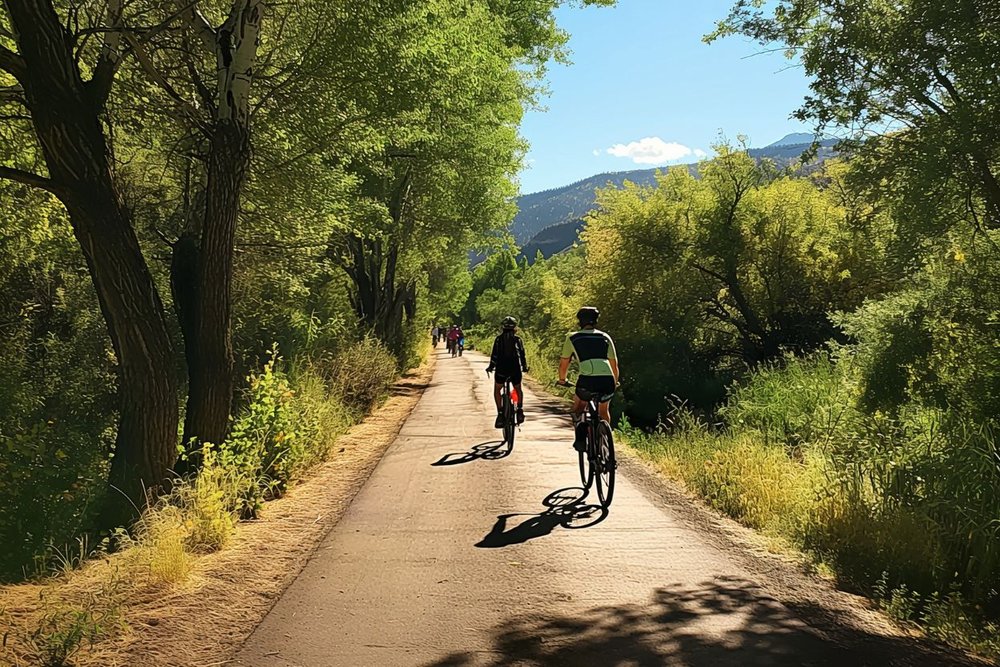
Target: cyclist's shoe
[[580, 444], [520, 416], [499, 422]]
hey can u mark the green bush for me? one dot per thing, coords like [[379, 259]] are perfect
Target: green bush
[[360, 374], [795, 402], [57, 407], [265, 440]]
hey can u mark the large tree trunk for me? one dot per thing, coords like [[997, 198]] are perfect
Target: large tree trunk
[[66, 120], [205, 309], [207, 314]]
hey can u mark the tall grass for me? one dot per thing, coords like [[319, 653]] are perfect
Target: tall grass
[[902, 506]]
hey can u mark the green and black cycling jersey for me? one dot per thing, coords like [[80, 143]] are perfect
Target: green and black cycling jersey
[[593, 350]]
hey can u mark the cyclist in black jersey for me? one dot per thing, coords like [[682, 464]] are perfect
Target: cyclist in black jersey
[[595, 352], [507, 359]]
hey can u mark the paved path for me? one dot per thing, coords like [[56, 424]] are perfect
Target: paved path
[[452, 556]]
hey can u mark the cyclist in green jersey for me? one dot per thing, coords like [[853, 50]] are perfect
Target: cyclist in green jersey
[[595, 352]]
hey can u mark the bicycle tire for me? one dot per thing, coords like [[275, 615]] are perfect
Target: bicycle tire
[[586, 462], [508, 421], [605, 463]]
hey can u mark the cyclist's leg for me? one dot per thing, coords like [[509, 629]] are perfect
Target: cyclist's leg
[[497, 386], [520, 401], [499, 381], [605, 410], [579, 423], [520, 395]]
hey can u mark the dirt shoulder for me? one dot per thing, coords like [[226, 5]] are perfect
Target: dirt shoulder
[[206, 621]]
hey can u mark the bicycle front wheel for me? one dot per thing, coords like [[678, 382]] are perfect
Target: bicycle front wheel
[[605, 464]]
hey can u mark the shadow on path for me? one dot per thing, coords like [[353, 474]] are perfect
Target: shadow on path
[[565, 508], [486, 451], [720, 623]]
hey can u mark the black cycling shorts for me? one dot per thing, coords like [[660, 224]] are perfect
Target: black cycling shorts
[[502, 376], [595, 386]]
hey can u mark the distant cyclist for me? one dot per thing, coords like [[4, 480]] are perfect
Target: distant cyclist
[[507, 359], [595, 352], [453, 335]]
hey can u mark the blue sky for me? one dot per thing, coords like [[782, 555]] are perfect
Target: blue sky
[[641, 72]]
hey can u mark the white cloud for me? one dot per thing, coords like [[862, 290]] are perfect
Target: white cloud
[[651, 150], [698, 153], [597, 152]]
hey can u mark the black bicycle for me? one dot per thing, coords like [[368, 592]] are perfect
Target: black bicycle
[[508, 408], [597, 461]]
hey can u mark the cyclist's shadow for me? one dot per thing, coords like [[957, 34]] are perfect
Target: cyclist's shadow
[[565, 507], [485, 451]]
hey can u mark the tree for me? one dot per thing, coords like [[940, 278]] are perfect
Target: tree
[[913, 82], [64, 109], [441, 175], [725, 272], [218, 126]]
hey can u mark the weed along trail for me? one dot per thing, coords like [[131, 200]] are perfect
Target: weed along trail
[[453, 554]]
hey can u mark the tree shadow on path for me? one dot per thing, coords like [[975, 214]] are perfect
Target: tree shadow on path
[[719, 623]]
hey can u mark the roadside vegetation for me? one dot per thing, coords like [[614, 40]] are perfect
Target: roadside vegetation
[[814, 350], [225, 227]]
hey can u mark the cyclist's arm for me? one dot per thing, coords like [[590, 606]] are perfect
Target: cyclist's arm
[[494, 354], [613, 359], [520, 353], [564, 368], [567, 355]]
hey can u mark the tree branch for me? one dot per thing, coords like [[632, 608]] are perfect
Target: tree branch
[[111, 55], [718, 276], [13, 94], [199, 25], [207, 97], [30, 179], [13, 64], [150, 68]]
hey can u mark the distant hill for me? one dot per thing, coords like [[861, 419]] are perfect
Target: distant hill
[[794, 139], [545, 220], [553, 239]]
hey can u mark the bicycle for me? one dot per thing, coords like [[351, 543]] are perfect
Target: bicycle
[[598, 460], [509, 411]]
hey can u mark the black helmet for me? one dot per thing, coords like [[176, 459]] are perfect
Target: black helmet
[[509, 323], [587, 315]]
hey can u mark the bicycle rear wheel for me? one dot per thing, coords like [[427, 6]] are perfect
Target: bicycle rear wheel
[[586, 461], [605, 463], [508, 421]]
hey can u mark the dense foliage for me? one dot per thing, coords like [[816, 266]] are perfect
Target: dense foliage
[[816, 352], [185, 185]]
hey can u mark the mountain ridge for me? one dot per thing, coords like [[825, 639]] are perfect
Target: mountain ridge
[[565, 206]]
